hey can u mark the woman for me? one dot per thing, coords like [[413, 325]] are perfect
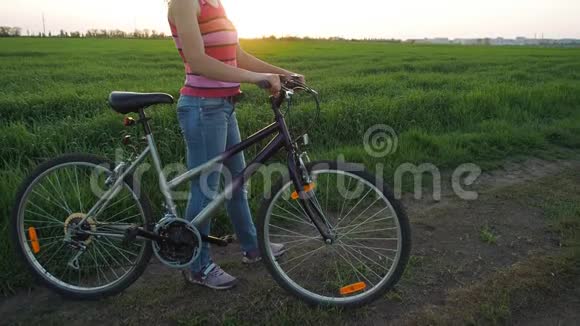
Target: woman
[[215, 65]]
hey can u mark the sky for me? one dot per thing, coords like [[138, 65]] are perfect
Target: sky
[[401, 19]]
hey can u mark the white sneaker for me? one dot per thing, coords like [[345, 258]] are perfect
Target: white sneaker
[[212, 277], [254, 256]]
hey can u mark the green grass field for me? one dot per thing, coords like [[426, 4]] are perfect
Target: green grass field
[[449, 104]]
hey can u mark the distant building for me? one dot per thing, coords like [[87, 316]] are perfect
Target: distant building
[[499, 41], [440, 40]]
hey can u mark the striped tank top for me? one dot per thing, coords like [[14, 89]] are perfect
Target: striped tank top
[[220, 40]]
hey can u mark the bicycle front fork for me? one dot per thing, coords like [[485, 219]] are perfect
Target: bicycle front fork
[[304, 192]]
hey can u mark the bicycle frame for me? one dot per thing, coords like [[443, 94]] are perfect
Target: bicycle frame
[[282, 139]]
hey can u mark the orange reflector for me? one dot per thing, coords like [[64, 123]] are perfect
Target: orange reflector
[[307, 188], [33, 239], [356, 287]]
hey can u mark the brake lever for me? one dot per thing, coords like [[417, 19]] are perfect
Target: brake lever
[[293, 84]]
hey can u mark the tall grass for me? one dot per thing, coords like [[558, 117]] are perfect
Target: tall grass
[[449, 104]]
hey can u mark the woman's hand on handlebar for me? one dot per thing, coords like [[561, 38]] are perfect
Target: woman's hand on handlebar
[[275, 82], [271, 82], [298, 78]]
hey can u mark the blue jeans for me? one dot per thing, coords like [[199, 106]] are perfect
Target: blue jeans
[[209, 126]]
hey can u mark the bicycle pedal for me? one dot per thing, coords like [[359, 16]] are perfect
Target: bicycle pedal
[[220, 242]]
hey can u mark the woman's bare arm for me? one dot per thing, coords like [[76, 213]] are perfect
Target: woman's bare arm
[[182, 13], [251, 63]]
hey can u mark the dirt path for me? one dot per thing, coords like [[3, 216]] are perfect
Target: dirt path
[[456, 244]]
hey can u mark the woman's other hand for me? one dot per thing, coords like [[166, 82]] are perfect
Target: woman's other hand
[[273, 79], [299, 78]]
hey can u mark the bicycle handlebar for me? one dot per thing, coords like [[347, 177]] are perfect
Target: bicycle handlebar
[[289, 86], [288, 83]]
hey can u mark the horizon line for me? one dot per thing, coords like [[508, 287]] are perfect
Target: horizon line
[[164, 34]]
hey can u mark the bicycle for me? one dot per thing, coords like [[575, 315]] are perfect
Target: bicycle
[[88, 244]]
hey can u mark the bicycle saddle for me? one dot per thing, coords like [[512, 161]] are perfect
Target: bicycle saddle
[[127, 102]]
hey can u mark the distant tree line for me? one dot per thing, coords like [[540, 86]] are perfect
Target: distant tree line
[[116, 33], [332, 38], [6, 31]]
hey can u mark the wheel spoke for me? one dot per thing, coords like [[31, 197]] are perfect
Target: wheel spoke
[[47, 217], [356, 271], [371, 249], [383, 239], [291, 236], [344, 202], [50, 226], [50, 238], [44, 249], [364, 211], [355, 206], [375, 214], [54, 254], [61, 195], [121, 251], [46, 198], [105, 261], [77, 187], [291, 219], [97, 268], [367, 247], [360, 261], [299, 210], [299, 243], [327, 194], [119, 213], [283, 229], [123, 220], [375, 221], [307, 255], [299, 240], [371, 231], [299, 219]]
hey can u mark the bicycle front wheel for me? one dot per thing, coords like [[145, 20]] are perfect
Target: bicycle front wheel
[[71, 252], [371, 232]]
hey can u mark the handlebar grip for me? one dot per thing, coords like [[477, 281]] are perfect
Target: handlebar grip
[[264, 84]]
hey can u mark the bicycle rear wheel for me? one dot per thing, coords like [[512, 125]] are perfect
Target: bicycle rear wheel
[[53, 202], [371, 245]]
